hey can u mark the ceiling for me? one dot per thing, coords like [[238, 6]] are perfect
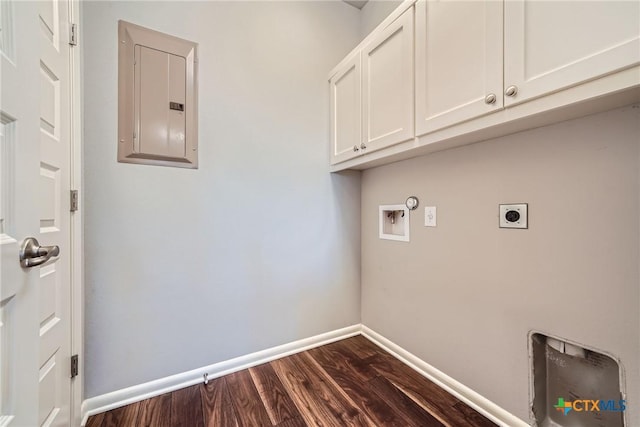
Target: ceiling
[[356, 3]]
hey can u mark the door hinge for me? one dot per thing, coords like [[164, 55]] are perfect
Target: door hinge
[[73, 36], [74, 366], [74, 201]]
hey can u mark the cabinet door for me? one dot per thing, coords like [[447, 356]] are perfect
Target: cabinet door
[[550, 45], [345, 98], [387, 73], [458, 61]]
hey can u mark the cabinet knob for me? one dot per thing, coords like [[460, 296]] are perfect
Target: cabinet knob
[[355, 148], [490, 99], [511, 91], [363, 146]]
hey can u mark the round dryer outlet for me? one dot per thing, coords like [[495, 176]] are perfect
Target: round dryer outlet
[[514, 216]]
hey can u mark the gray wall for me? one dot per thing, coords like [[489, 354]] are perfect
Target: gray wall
[[464, 296], [374, 12], [258, 247]]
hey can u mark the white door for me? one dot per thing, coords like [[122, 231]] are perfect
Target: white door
[[345, 113], [458, 62], [387, 85], [550, 45], [35, 384]]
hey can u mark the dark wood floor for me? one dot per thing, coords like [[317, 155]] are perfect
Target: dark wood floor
[[348, 383]]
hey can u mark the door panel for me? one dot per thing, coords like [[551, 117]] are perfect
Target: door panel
[[54, 286], [35, 387], [19, 114]]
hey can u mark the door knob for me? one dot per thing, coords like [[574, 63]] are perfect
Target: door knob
[[32, 254], [355, 149]]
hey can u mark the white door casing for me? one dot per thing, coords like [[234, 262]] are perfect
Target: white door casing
[[35, 102]]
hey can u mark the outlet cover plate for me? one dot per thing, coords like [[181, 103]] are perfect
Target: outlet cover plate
[[514, 215], [430, 216]]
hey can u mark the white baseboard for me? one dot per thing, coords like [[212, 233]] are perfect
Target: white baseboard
[[137, 393], [478, 402]]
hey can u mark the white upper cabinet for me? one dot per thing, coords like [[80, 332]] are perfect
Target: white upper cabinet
[[551, 45], [387, 81], [458, 61], [371, 92], [345, 87], [479, 69]]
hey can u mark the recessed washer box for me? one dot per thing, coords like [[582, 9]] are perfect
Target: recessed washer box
[[393, 222], [157, 98]]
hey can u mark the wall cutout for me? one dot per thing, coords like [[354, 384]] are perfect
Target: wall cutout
[[394, 222], [574, 386], [157, 98]]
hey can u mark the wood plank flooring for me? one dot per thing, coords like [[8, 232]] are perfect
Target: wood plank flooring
[[347, 383]]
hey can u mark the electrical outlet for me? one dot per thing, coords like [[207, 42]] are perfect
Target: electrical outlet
[[514, 216]]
